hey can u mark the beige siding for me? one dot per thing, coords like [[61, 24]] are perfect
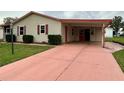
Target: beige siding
[[97, 36], [31, 22], [70, 37]]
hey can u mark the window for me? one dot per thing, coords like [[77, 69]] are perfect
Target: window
[[21, 30], [42, 28], [7, 31]]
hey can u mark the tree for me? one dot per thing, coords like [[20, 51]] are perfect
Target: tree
[[117, 23], [8, 20]]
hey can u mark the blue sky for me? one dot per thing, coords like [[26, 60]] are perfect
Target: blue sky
[[67, 14]]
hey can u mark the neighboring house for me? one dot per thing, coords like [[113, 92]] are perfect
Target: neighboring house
[[1, 33], [6, 30], [108, 32], [40, 26]]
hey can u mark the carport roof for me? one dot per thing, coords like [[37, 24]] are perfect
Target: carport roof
[[103, 21]]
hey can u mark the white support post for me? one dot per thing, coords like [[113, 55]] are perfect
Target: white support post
[[103, 35]]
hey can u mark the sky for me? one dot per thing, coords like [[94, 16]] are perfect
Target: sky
[[66, 14]]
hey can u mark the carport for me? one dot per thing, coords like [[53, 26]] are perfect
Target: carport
[[75, 30]]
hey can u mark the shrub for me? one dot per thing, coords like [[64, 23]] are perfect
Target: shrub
[[44, 42], [28, 38], [9, 37], [54, 39]]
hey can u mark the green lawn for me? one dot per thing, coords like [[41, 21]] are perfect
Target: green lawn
[[116, 39], [21, 51], [119, 56]]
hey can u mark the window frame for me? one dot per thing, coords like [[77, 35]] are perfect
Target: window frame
[[21, 30], [6, 32], [43, 29]]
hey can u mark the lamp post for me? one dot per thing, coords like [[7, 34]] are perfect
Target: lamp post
[[12, 44]]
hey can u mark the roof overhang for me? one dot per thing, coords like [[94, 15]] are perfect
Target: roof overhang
[[84, 22], [87, 22], [3, 25]]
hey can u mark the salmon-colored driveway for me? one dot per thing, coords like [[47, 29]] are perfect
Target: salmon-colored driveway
[[66, 62]]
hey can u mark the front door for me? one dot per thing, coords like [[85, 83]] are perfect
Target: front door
[[87, 34], [81, 35]]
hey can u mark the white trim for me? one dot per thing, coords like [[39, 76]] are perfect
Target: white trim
[[6, 31], [23, 30], [44, 28]]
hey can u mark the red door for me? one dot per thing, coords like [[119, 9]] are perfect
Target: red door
[[81, 35]]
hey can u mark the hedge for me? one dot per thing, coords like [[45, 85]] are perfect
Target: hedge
[[28, 38], [54, 39], [9, 38]]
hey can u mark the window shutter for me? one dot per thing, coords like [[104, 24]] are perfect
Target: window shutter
[[38, 29], [24, 30], [17, 30], [46, 28]]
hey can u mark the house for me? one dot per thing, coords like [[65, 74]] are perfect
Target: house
[[40, 26], [6, 30], [109, 32], [1, 33]]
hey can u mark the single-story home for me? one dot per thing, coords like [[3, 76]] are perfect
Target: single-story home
[[5, 30], [108, 32], [40, 26]]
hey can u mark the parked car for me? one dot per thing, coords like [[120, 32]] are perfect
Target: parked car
[[122, 34]]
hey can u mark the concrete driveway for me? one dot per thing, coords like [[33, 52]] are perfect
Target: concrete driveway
[[66, 62]]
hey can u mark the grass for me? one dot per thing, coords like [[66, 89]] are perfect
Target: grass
[[119, 56], [116, 39], [21, 51]]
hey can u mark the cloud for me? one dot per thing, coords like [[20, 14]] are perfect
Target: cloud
[[70, 14], [67, 14], [4, 14], [85, 14]]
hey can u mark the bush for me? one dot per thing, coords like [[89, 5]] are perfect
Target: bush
[[54, 39], [9, 37], [28, 38]]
